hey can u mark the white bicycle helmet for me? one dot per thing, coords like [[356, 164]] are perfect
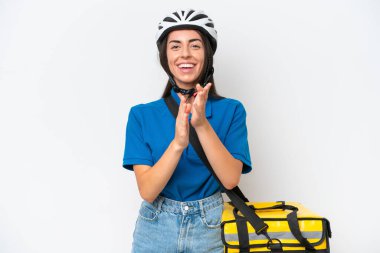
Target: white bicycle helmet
[[187, 19]]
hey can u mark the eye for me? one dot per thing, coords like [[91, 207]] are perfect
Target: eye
[[174, 47], [195, 46]]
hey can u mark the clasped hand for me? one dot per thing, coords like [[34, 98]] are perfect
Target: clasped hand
[[197, 107]]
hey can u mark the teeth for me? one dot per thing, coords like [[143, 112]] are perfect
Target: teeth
[[186, 65]]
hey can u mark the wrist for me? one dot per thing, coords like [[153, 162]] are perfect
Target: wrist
[[204, 126], [176, 147]]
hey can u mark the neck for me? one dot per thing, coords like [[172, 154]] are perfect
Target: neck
[[186, 86]]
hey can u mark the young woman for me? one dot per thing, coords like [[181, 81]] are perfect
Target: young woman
[[182, 202]]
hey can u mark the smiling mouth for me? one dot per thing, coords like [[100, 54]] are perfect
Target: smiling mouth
[[186, 67]]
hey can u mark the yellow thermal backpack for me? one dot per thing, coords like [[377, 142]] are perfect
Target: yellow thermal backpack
[[264, 227], [238, 235]]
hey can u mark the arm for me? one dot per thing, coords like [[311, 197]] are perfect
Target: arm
[[151, 180], [226, 167]]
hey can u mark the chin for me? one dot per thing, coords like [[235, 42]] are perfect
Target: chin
[[188, 81]]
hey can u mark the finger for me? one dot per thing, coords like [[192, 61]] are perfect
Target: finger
[[198, 87], [181, 97], [202, 95], [198, 97], [207, 90], [185, 118], [187, 108], [185, 113], [208, 86], [182, 102]]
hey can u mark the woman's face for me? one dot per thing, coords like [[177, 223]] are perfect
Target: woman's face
[[185, 52]]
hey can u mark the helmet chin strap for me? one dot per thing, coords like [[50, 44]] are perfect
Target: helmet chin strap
[[191, 91], [177, 89]]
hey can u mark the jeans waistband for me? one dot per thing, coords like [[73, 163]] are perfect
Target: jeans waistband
[[188, 207]]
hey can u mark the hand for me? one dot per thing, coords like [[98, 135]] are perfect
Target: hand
[[182, 126], [198, 109]]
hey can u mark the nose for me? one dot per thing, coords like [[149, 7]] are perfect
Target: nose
[[185, 52]]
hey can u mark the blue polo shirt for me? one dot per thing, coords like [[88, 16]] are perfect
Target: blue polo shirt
[[151, 128]]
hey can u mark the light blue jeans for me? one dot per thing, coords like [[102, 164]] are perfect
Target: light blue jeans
[[170, 226]]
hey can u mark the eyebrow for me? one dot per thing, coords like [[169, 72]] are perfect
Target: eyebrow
[[177, 41]]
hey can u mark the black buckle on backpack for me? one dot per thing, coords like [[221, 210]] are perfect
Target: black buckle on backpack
[[274, 247], [263, 229]]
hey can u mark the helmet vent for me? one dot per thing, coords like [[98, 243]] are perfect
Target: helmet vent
[[183, 13], [188, 14], [210, 25], [160, 27], [169, 19], [176, 14], [198, 17]]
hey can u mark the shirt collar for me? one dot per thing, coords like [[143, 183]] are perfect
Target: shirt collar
[[208, 103]]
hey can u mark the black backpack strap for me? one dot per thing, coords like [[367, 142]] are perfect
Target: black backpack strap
[[243, 235], [238, 201], [296, 231]]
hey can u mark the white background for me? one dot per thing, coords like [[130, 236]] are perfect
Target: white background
[[307, 73]]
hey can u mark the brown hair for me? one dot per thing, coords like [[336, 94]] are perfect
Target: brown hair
[[208, 55]]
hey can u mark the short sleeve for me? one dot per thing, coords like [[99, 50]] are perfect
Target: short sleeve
[[236, 140], [136, 150]]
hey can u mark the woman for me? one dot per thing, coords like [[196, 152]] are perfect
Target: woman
[[182, 203]]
